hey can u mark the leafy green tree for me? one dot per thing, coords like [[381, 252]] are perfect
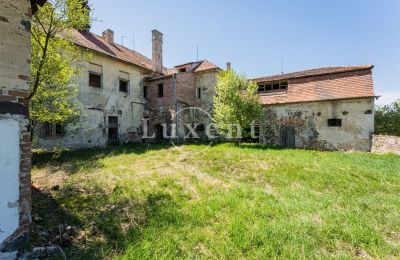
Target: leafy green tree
[[56, 60], [235, 103], [387, 119]]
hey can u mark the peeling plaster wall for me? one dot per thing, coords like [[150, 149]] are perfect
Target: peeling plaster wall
[[310, 121], [97, 104], [15, 147]]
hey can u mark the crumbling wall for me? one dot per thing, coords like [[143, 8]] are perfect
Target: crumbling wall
[[15, 149], [310, 123], [386, 144], [97, 104]]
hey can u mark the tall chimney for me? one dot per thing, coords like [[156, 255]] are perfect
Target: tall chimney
[[228, 66], [108, 35], [157, 40]]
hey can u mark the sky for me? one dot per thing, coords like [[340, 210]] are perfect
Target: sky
[[264, 37]]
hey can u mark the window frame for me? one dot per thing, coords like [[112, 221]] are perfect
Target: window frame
[[127, 85], [96, 74], [273, 87], [335, 122]]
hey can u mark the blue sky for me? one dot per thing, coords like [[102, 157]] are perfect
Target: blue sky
[[256, 35]]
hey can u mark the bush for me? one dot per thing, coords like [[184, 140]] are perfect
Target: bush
[[387, 119]]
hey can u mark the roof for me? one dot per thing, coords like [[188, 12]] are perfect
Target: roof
[[206, 65], [313, 72], [35, 3], [97, 43], [336, 83]]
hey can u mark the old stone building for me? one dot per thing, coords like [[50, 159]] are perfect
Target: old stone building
[[122, 89], [15, 147], [325, 109]]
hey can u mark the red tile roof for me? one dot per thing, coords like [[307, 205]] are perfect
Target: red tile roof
[[333, 83], [206, 65], [99, 44]]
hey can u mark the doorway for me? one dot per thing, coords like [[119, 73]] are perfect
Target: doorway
[[288, 136], [112, 130]]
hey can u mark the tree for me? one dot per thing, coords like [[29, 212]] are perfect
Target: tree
[[387, 119], [56, 60], [235, 103]]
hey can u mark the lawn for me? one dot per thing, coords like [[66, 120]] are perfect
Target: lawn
[[248, 201]]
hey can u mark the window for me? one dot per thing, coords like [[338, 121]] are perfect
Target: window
[[145, 92], [160, 90], [182, 70], [95, 75], [94, 80], [198, 93], [124, 82], [273, 87], [52, 130], [200, 128], [334, 122], [123, 85]]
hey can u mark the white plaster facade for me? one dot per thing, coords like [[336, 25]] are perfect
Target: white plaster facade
[[310, 123], [97, 104], [9, 177]]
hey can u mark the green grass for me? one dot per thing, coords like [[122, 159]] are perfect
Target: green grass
[[248, 201]]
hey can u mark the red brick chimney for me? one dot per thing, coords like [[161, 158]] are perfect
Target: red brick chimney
[[108, 35]]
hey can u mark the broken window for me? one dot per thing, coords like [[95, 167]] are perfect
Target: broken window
[[335, 122], [123, 86], [160, 90], [273, 87], [198, 93], [95, 75], [123, 82], [182, 70]]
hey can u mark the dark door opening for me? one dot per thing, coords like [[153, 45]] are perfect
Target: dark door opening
[[288, 136], [112, 130], [159, 133]]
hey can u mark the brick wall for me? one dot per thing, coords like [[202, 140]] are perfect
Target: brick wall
[[15, 18], [386, 144]]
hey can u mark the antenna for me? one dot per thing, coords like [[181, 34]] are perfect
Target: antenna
[[197, 52], [133, 41], [282, 64], [122, 40]]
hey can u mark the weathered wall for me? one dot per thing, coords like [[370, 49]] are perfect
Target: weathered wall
[[15, 162], [311, 127], [97, 104], [386, 144]]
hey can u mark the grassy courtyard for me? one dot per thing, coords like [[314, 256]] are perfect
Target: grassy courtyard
[[248, 201]]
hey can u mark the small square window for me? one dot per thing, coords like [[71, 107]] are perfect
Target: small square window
[[283, 85], [94, 80], [200, 128], [160, 90], [123, 86], [275, 86], [335, 122], [261, 88], [48, 129], [268, 87], [183, 70]]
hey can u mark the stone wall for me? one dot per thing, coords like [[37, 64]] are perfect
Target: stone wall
[[15, 161], [98, 104], [308, 124], [386, 144]]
